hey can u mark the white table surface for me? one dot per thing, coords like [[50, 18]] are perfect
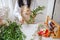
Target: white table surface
[[30, 29]]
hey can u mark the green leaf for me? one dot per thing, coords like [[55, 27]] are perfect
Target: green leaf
[[11, 32], [34, 13]]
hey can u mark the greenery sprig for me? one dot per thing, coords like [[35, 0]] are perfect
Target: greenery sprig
[[34, 13]]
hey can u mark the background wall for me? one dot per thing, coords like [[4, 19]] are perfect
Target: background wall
[[50, 7], [57, 12], [47, 11]]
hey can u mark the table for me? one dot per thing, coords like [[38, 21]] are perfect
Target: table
[[29, 30]]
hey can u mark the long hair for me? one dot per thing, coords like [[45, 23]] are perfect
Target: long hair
[[20, 3], [28, 3]]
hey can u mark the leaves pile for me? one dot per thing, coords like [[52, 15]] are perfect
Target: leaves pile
[[11, 32]]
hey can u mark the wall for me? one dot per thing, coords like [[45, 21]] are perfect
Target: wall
[[50, 7], [57, 12], [47, 11]]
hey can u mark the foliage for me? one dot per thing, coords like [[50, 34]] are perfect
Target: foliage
[[34, 13], [11, 32]]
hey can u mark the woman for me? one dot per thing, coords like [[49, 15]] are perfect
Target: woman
[[25, 9], [24, 5]]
